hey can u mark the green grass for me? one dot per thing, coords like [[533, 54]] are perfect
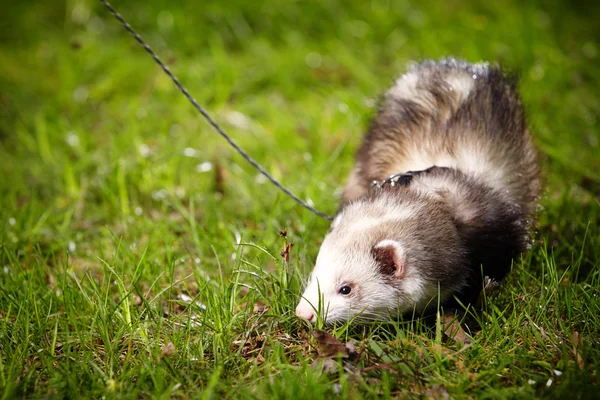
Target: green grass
[[130, 269]]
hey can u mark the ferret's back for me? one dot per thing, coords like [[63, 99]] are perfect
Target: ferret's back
[[450, 114]]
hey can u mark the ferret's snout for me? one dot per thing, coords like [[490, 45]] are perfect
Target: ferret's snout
[[305, 310]]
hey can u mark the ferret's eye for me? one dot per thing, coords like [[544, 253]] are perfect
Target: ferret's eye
[[345, 290]]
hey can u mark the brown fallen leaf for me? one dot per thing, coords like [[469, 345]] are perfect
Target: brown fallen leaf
[[251, 348], [50, 280], [168, 350], [454, 330], [577, 345], [260, 308], [329, 346]]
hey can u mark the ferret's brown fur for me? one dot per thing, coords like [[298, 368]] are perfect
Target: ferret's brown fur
[[434, 119], [395, 249]]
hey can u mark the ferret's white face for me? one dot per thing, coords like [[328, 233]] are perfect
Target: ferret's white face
[[360, 271]]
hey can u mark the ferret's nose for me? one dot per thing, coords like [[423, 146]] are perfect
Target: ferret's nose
[[304, 310]]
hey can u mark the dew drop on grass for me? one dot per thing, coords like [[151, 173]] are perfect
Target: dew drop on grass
[[343, 108], [197, 260], [190, 152], [80, 13], [260, 179], [549, 383], [238, 119], [12, 221], [71, 246], [313, 59], [72, 139], [95, 25], [80, 94], [204, 167], [370, 103], [165, 20], [5, 269], [537, 72], [144, 150], [175, 130], [160, 194]]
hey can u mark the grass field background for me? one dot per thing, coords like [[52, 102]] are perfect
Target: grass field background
[[140, 256]]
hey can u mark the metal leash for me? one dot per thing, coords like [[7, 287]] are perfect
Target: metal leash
[[205, 114]]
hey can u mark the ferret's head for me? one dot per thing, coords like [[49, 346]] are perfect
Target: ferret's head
[[381, 258]]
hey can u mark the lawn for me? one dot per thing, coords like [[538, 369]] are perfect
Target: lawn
[[140, 256]]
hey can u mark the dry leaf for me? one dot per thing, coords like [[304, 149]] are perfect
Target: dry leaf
[[577, 345], [454, 330], [168, 350], [329, 346]]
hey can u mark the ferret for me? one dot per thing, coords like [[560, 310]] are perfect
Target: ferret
[[458, 207]]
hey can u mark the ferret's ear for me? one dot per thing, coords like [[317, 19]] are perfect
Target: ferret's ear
[[390, 259]]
